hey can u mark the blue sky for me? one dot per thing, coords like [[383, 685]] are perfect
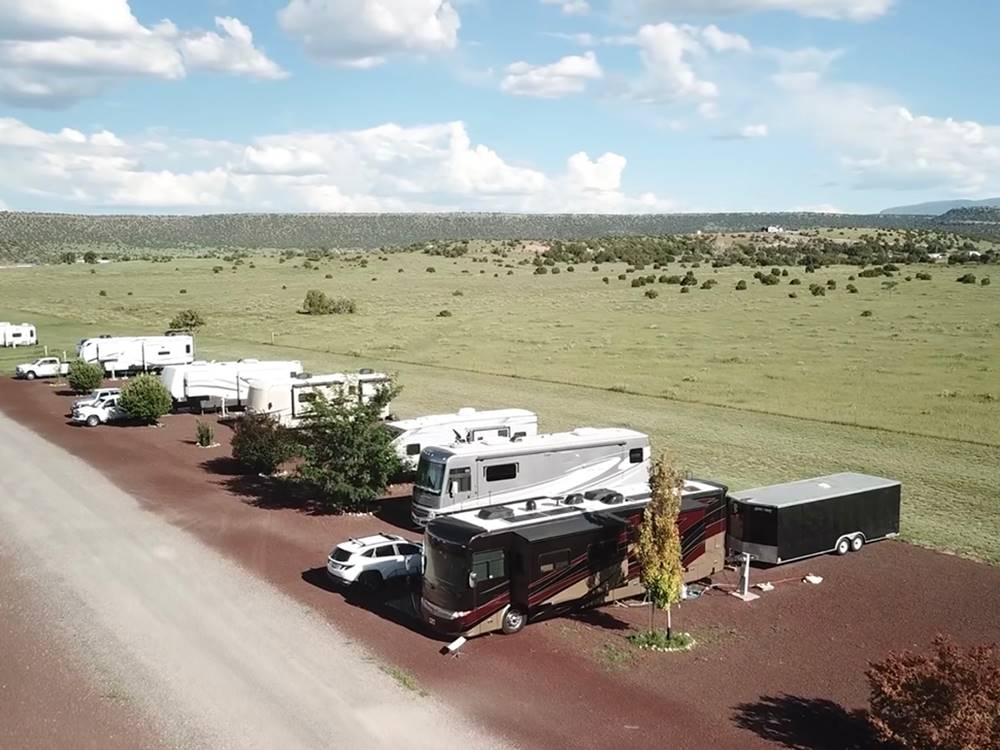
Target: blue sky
[[525, 105]]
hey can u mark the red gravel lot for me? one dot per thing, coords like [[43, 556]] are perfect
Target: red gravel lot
[[784, 671]]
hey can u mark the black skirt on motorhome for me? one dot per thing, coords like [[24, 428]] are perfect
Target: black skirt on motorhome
[[786, 522]]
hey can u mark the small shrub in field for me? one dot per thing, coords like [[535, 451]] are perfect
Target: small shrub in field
[[831, 284], [817, 290], [784, 271], [444, 314], [769, 280], [908, 278], [652, 293], [430, 269], [187, 320], [641, 281], [948, 700], [890, 268], [606, 280], [541, 270], [985, 281], [284, 286], [261, 444], [204, 435], [90, 257], [866, 313], [595, 268], [93, 270], [794, 282], [328, 276], [184, 291], [923, 276], [689, 279], [102, 293], [622, 277], [129, 294], [570, 269], [852, 277], [776, 272], [145, 398], [317, 303], [84, 376], [458, 293], [741, 285], [217, 269], [709, 284], [685, 290], [851, 289], [793, 295], [555, 269]]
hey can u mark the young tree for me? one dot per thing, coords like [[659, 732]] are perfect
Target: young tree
[[90, 257], [261, 444], [145, 397], [949, 700], [187, 320], [659, 550], [84, 376], [347, 451]]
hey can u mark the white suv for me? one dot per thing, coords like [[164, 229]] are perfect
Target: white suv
[[372, 560]]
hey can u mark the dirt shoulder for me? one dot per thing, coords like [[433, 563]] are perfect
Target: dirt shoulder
[[800, 650]]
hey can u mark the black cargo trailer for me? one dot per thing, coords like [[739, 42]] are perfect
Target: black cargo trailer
[[836, 513]]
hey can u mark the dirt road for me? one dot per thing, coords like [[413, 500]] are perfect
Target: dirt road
[[203, 652]]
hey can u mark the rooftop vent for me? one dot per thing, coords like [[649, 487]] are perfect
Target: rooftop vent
[[496, 512], [466, 411], [529, 505], [575, 499], [613, 498], [366, 371], [596, 494]]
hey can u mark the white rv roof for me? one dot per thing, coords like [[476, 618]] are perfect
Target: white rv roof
[[335, 377], [807, 490], [554, 507], [581, 436], [467, 414]]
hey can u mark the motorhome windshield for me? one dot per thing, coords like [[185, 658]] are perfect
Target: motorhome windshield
[[430, 475], [446, 565]]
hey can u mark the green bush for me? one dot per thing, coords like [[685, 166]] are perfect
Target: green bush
[[866, 313], [184, 291], [851, 289], [67, 258], [652, 293], [741, 285], [570, 269], [923, 276], [541, 270], [793, 295], [90, 257], [102, 293], [817, 290], [317, 303], [685, 290], [430, 269], [709, 284], [769, 280], [622, 277], [217, 269], [145, 398], [831, 284], [595, 268], [444, 314], [204, 435], [261, 444], [187, 320], [458, 293], [555, 270], [606, 280], [84, 376], [985, 281], [637, 282], [795, 282]]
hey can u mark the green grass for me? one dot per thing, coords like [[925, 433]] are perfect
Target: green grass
[[748, 387], [404, 679], [658, 640]]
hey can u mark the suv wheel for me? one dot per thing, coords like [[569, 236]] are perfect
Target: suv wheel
[[370, 580]]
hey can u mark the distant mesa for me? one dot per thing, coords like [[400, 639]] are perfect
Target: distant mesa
[[936, 208]]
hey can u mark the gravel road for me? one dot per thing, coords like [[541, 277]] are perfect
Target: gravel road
[[210, 655]]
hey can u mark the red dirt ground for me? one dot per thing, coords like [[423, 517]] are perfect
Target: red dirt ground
[[784, 671]]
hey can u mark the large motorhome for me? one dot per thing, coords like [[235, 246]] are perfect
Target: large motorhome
[[467, 476], [127, 354], [17, 334], [500, 566], [214, 384], [289, 400], [464, 426]]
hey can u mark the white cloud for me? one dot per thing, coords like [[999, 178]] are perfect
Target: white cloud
[[853, 10], [570, 7], [74, 50], [666, 51], [363, 33], [754, 131], [568, 75], [723, 41], [385, 168], [821, 208], [232, 53]]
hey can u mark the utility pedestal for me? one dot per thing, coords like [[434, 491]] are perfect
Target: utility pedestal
[[744, 590]]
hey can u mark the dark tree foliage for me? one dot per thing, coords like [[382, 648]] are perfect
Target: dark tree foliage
[[261, 444], [84, 376]]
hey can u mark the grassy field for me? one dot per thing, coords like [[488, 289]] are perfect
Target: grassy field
[[744, 386]]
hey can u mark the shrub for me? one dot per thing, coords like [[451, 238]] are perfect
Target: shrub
[[652, 293], [776, 272], [570, 269], [68, 258], [328, 276], [673, 280], [741, 285], [793, 295], [187, 320], [555, 269], [794, 282], [145, 398], [985, 281], [949, 700], [784, 271], [817, 290], [866, 313], [84, 376], [184, 291], [261, 444], [541, 270], [923, 276], [444, 314], [90, 257], [851, 289], [622, 277], [204, 435], [606, 280], [831, 284], [458, 293], [709, 284], [685, 290], [641, 281], [595, 268], [216, 269], [689, 279], [852, 277], [102, 293], [317, 303], [769, 280]]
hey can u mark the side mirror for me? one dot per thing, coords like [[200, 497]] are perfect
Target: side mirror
[[472, 580], [452, 489]]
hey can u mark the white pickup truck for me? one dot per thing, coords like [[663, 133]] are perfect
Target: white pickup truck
[[46, 367], [100, 412]]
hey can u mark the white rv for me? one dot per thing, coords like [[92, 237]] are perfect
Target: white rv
[[289, 400], [124, 354], [215, 384], [465, 426], [465, 476], [17, 334]]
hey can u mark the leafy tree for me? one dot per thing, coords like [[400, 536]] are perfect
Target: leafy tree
[[659, 549], [84, 376], [187, 320], [949, 700], [261, 444], [317, 303], [67, 258], [347, 452], [145, 397], [90, 257], [741, 285]]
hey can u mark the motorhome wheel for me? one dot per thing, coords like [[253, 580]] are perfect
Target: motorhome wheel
[[857, 542], [843, 546], [513, 620]]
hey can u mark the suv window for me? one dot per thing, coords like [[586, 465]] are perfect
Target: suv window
[[408, 549], [368, 552], [386, 550]]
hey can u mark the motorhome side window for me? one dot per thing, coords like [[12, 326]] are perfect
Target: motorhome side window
[[635, 456], [463, 477], [500, 472], [307, 397], [488, 565], [503, 432], [413, 449], [555, 560]]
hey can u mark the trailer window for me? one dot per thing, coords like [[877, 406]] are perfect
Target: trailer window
[[413, 449], [500, 472], [463, 476], [556, 560], [503, 432], [187, 349], [488, 565], [635, 456], [306, 397]]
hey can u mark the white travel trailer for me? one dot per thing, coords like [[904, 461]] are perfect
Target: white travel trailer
[[465, 476], [17, 334], [214, 384], [464, 426], [125, 354], [290, 399]]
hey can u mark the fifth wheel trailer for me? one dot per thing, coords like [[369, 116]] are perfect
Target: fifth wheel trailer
[[17, 334], [836, 513], [500, 566], [217, 383], [288, 401], [127, 354]]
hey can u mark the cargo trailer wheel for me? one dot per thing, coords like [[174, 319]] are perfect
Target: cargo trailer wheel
[[513, 621], [857, 543], [843, 546], [93, 420], [29, 375]]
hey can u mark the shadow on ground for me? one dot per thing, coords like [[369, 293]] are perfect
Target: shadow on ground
[[806, 723]]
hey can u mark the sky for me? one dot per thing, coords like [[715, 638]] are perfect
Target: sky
[[611, 106]]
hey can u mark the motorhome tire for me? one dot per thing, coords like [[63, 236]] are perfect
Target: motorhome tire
[[93, 420], [30, 375], [857, 543], [370, 580], [843, 546], [513, 621]]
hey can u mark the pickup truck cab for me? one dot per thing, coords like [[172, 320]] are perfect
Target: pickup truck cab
[[96, 395], [46, 367], [100, 412]]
